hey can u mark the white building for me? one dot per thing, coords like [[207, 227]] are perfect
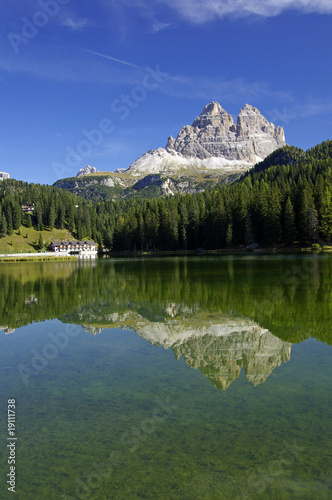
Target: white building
[[28, 208], [4, 175], [80, 248]]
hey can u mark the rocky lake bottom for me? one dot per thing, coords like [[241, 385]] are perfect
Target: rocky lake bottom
[[173, 378]]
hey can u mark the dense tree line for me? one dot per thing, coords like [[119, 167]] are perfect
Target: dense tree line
[[285, 203], [103, 295], [53, 208], [286, 199]]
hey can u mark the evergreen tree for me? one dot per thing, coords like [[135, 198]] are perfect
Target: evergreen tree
[[326, 214], [40, 242], [28, 221], [289, 227], [273, 224], [17, 215], [10, 228], [308, 219], [3, 227], [229, 235], [51, 216], [108, 240], [183, 223]]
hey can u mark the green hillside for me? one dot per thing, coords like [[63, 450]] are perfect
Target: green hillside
[[27, 240], [111, 186], [285, 200]]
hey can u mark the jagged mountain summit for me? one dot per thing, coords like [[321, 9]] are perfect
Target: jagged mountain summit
[[215, 142], [213, 150], [214, 134], [4, 175], [220, 347], [86, 171]]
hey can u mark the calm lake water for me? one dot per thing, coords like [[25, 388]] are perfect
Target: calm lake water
[[175, 378]]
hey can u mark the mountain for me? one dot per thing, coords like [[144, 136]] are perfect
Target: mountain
[[218, 345], [87, 170], [284, 200], [215, 142], [4, 175], [212, 150]]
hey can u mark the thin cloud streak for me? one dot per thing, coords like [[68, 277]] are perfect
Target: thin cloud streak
[[105, 56], [41, 65], [158, 26], [231, 90], [313, 107], [198, 12], [83, 69]]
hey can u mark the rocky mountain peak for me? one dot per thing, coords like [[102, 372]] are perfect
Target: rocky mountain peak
[[214, 134], [214, 143], [170, 144], [4, 175], [213, 115], [213, 108], [86, 170], [248, 108]]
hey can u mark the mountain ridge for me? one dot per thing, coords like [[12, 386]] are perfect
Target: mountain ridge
[[213, 150]]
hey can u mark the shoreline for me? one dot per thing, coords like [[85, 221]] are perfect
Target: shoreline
[[222, 251], [35, 257]]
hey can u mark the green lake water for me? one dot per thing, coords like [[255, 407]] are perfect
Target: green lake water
[[175, 378]]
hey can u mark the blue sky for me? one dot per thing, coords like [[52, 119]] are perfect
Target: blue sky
[[101, 82]]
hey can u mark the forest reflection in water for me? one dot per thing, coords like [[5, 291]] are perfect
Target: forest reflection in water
[[220, 314], [88, 350]]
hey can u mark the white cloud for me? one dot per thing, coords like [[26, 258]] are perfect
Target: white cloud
[[198, 11], [158, 26], [231, 90], [310, 107], [56, 62], [75, 24], [315, 107], [110, 150]]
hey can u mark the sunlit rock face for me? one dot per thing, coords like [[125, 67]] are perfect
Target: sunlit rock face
[[213, 133], [93, 330], [86, 171], [221, 350], [214, 141], [221, 359], [219, 346], [214, 149]]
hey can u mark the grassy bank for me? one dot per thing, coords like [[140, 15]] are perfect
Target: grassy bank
[[222, 251], [35, 259], [25, 239]]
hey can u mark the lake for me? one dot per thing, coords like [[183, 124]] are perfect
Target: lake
[[168, 378]]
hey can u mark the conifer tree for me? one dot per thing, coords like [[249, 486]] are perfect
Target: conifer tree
[[40, 242], [289, 227], [3, 226], [51, 216], [229, 235], [326, 215]]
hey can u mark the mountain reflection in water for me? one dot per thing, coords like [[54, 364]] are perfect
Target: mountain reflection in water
[[220, 314], [219, 348]]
